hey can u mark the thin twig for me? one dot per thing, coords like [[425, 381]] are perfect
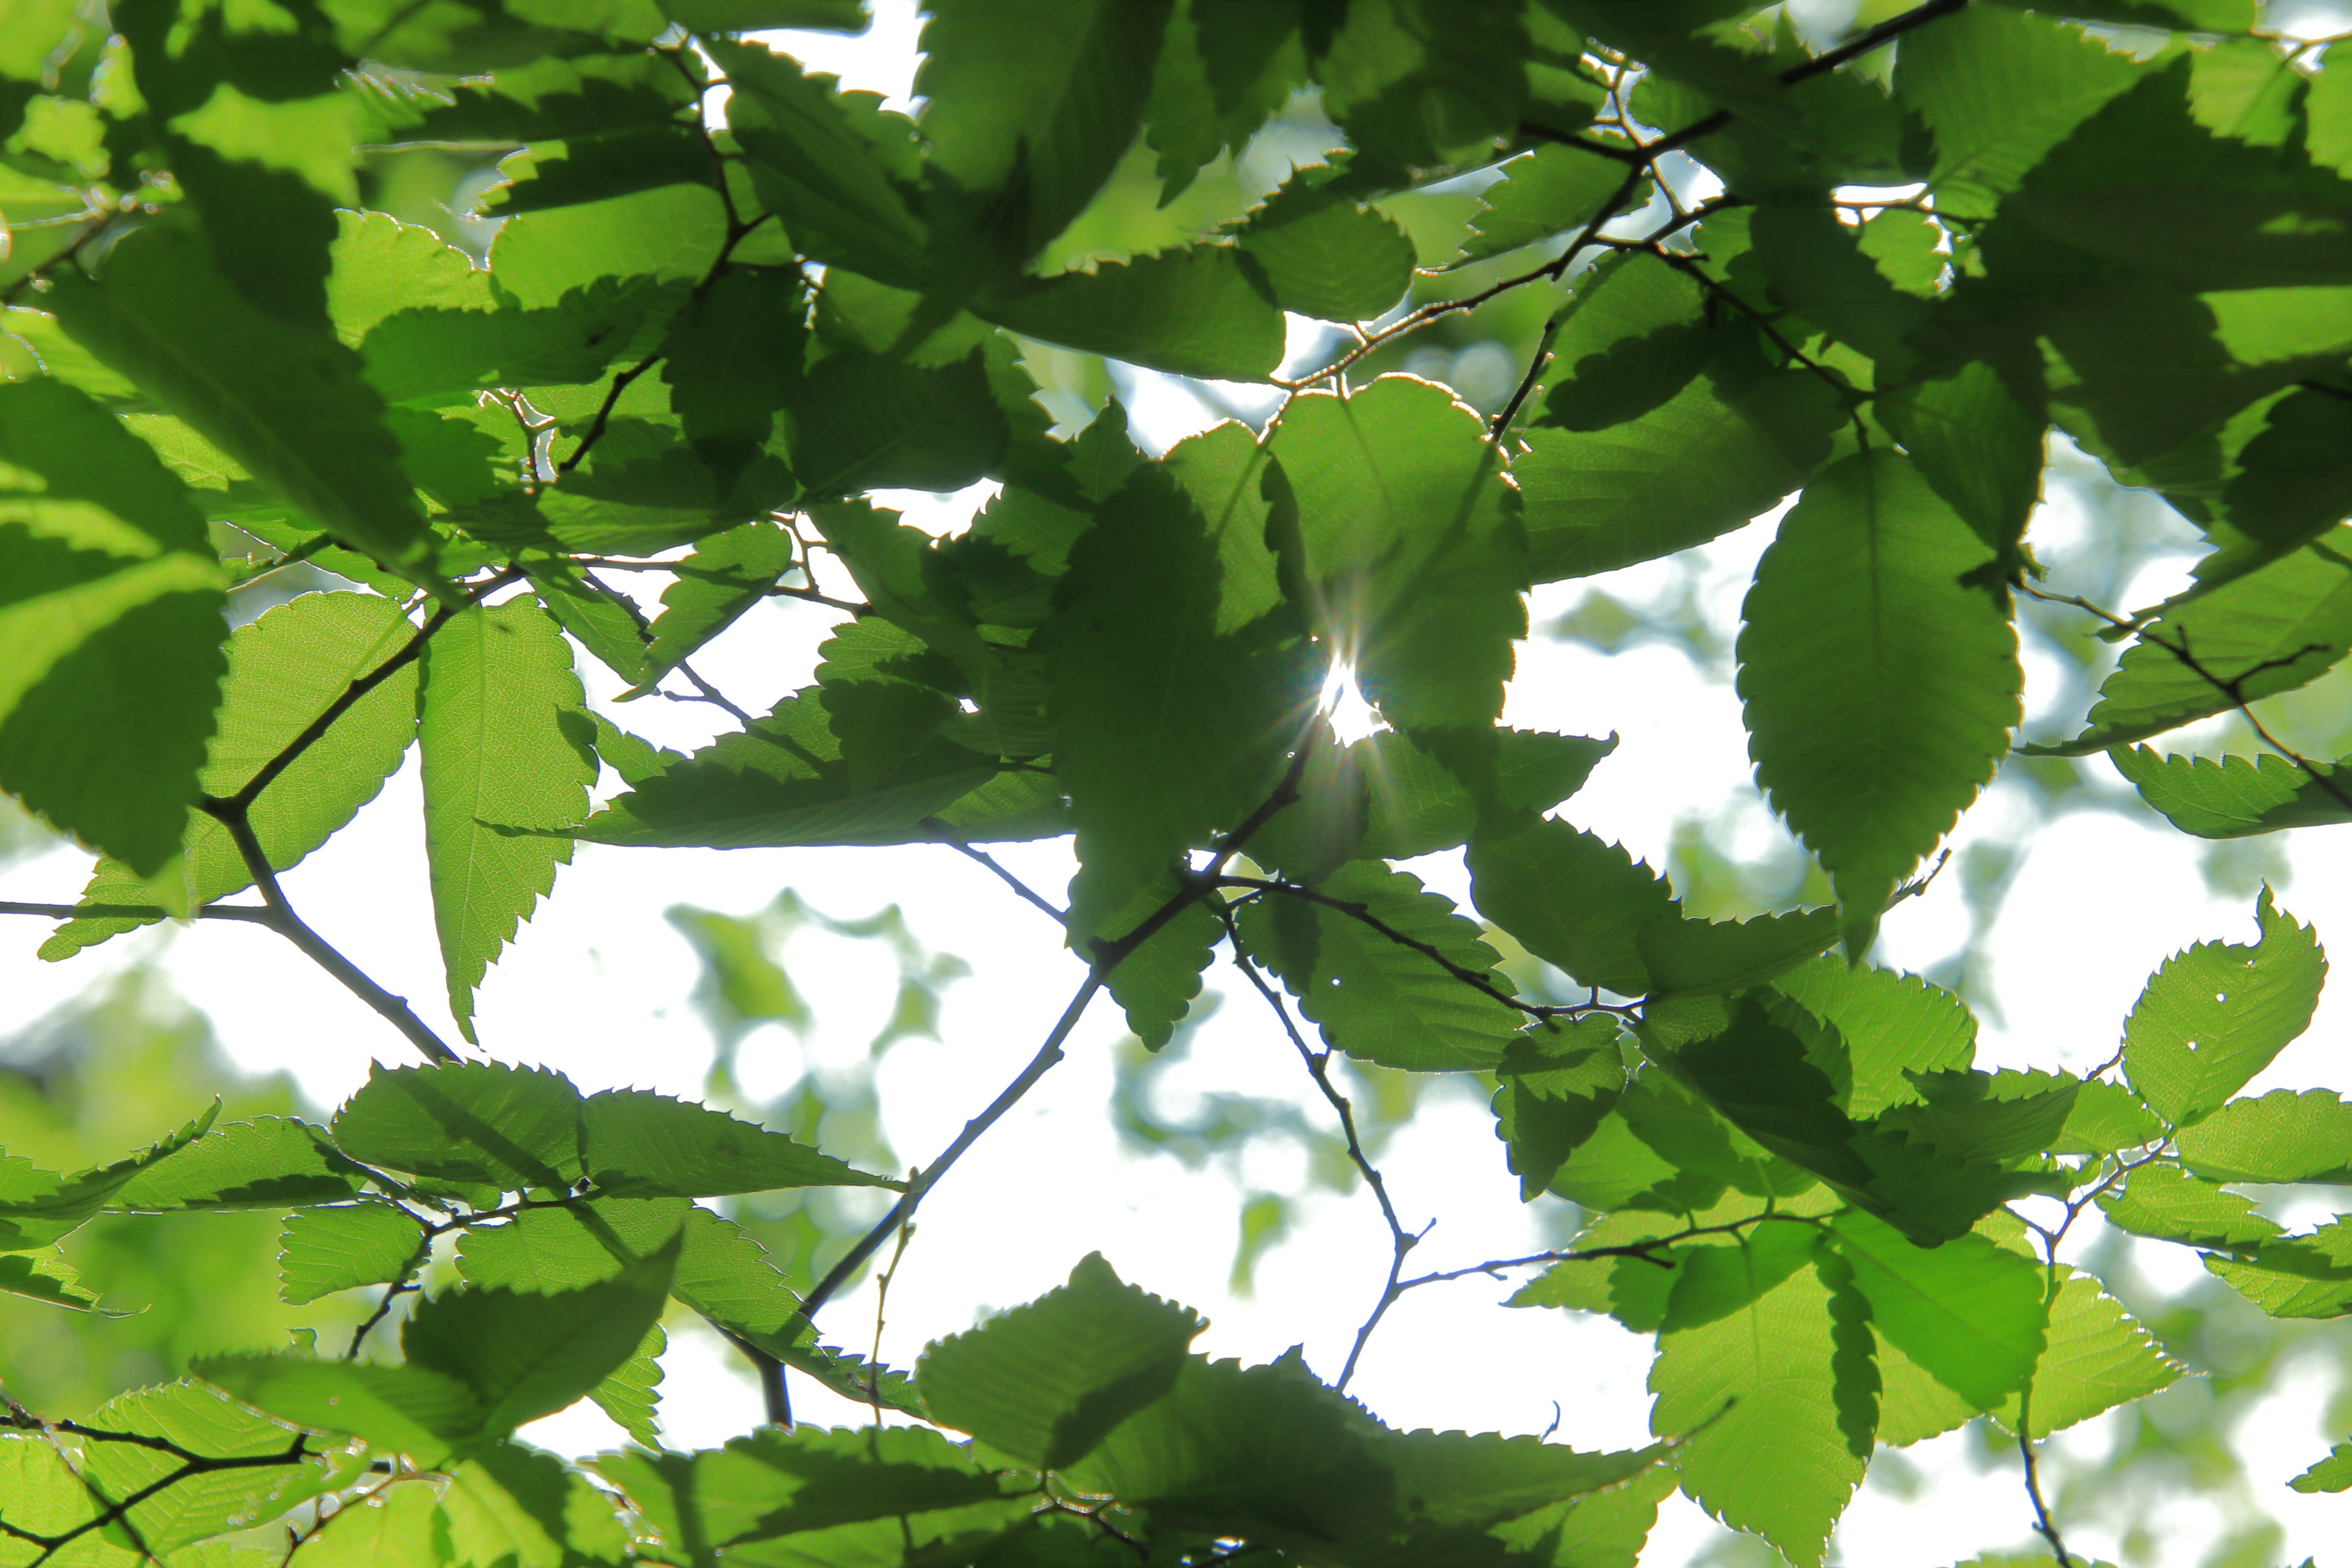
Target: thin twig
[[240, 912], [881, 1300], [1318, 1067], [2233, 688], [2043, 1523], [1536, 363], [945, 835], [706, 692]]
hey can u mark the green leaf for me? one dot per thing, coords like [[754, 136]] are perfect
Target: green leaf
[[1478, 1479], [1571, 899], [858, 421], [1882, 1025], [775, 1484], [1754, 1072], [267, 1162], [1607, 1530], [646, 1144], [2332, 1474], [1165, 729], [40, 1206], [2293, 481], [1239, 1450], [1718, 957], [1205, 311], [289, 406], [2164, 1203], [2305, 1275], [1976, 445], [1547, 192], [200, 1422], [672, 232], [514, 1128], [1324, 255], [1378, 999], [2213, 1015], [1046, 1382], [2282, 1137], [1030, 104], [2107, 1118], [2096, 1359], [730, 359], [521, 1508], [408, 1409], [1422, 87], [499, 724], [1704, 462], [1754, 1392], [631, 1393], [783, 782], [1556, 1088], [566, 1247], [284, 669], [110, 626], [1816, 266], [2005, 1117], [1967, 1312], [528, 1354], [391, 1524], [2232, 797], [1878, 691], [346, 1246], [1999, 90], [47, 1277], [1155, 985], [836, 166], [727, 574], [2270, 631], [1411, 547]]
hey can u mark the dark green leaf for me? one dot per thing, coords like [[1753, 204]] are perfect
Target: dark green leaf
[[731, 359], [2294, 480], [636, 1142], [1879, 692], [289, 406], [1379, 999], [726, 576], [1556, 1089], [2270, 631], [1155, 985], [1730, 955], [1324, 254], [2215, 1015], [1549, 191], [859, 421], [1976, 445], [1706, 461], [1204, 310], [1817, 268], [1165, 727], [1413, 540], [1571, 899], [1046, 1382], [526, 1354], [2234, 797], [1031, 103], [514, 1128]]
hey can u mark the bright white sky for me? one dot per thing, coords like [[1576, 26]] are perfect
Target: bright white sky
[[599, 986]]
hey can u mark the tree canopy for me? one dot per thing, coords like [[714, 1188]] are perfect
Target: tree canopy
[[1742, 260]]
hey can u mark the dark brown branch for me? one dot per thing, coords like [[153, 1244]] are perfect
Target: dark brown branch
[[2043, 1525], [141, 912], [1536, 363]]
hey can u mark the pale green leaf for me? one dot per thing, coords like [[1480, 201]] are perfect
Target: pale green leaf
[[514, 1128], [346, 1246], [2164, 1203], [1967, 1312], [2282, 1137], [2213, 1015], [2096, 1359]]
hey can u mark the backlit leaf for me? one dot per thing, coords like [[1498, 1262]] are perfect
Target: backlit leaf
[[2216, 1014]]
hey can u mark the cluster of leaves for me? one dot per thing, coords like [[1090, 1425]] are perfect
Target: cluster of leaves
[[718, 338]]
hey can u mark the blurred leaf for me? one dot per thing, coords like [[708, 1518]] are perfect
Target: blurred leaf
[[41, 1207]]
